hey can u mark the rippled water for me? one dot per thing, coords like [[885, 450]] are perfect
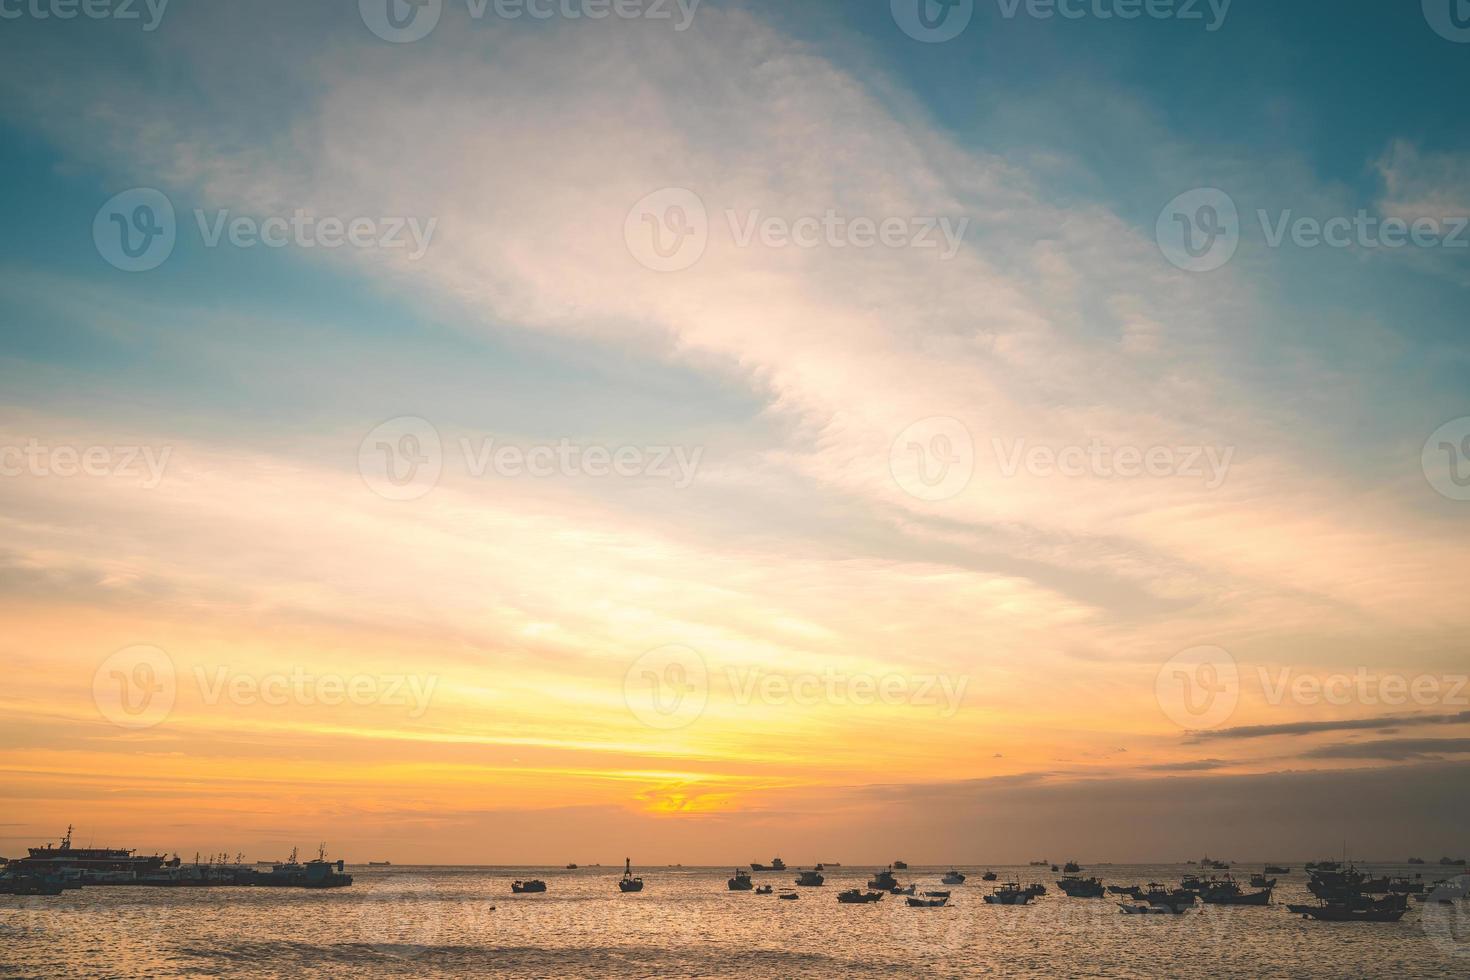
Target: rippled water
[[445, 922]]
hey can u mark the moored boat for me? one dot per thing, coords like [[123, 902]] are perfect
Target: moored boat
[[954, 877], [884, 880], [1011, 893], [776, 865], [989, 875], [927, 903], [629, 882], [741, 882], [854, 896], [519, 887], [900, 866], [1077, 887], [810, 879]]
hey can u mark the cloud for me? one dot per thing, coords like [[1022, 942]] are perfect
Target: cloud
[[1340, 725], [1399, 749]]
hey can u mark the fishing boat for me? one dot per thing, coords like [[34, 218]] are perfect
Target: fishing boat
[[910, 890], [1036, 890], [741, 882], [571, 867], [1077, 887], [1071, 868], [1389, 909], [1273, 869], [1129, 908], [519, 887], [901, 866], [884, 880], [629, 883], [1227, 892], [1011, 893], [1405, 886], [764, 890], [989, 876], [810, 879], [87, 862], [1055, 868], [776, 865], [1158, 894], [956, 878], [854, 896], [1261, 881], [1132, 891], [30, 883], [936, 894], [1040, 864], [926, 903]]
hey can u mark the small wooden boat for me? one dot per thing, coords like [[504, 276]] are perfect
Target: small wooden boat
[[926, 903], [526, 887], [854, 896], [1272, 869], [788, 896], [1010, 893], [1261, 881], [910, 890], [989, 876], [764, 890], [1132, 891], [1340, 912], [629, 883], [1131, 909], [936, 894]]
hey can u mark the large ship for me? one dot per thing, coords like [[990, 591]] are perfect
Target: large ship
[[776, 865], [90, 862]]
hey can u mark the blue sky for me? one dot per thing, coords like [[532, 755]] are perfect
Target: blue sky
[[805, 377]]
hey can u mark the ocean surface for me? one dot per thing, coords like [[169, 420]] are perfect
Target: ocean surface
[[464, 922]]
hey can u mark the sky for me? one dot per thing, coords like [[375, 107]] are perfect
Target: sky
[[545, 432]]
